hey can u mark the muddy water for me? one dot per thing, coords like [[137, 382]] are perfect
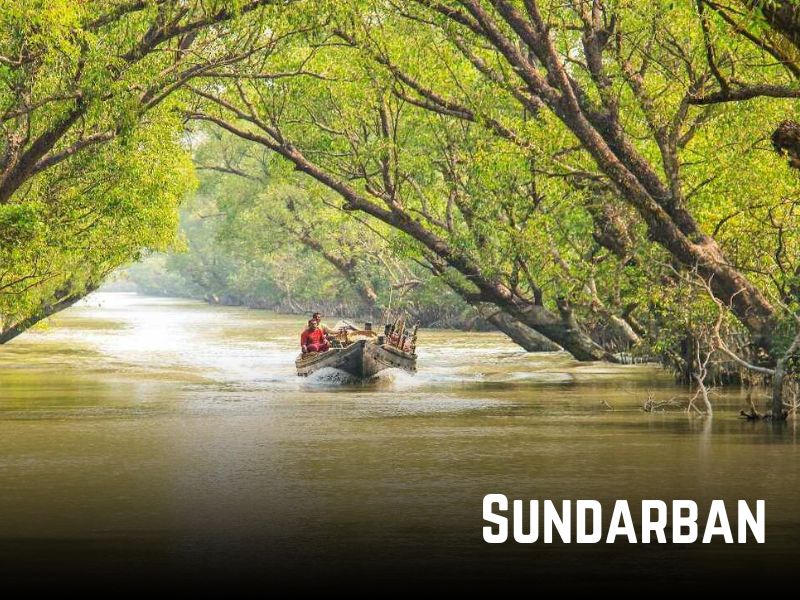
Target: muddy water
[[155, 437]]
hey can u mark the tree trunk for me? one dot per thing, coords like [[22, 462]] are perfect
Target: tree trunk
[[521, 334], [566, 334], [562, 331], [6, 335], [777, 390], [676, 230], [599, 131], [622, 329]]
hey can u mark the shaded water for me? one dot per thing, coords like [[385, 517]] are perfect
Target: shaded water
[[147, 436]]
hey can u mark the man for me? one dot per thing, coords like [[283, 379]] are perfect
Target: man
[[318, 318], [313, 339]]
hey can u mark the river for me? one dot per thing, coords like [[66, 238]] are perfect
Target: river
[[145, 437]]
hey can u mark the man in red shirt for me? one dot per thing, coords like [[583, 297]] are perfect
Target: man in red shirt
[[313, 339], [318, 318]]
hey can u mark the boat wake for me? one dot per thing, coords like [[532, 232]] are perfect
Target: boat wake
[[329, 376]]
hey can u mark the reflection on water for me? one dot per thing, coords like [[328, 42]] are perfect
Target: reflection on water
[[181, 429]]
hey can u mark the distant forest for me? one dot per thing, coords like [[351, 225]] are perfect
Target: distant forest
[[248, 241]]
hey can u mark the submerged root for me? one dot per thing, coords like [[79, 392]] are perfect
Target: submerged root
[[789, 401], [791, 397], [753, 414], [653, 405]]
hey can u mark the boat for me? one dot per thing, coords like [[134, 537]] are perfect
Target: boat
[[363, 354], [362, 359]]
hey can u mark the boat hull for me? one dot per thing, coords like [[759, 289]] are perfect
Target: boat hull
[[362, 360]]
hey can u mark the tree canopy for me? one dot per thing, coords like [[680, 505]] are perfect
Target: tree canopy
[[92, 166], [601, 174]]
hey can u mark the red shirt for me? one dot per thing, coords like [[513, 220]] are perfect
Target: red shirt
[[312, 336]]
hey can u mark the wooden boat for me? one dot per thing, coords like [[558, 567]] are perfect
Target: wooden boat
[[361, 359]]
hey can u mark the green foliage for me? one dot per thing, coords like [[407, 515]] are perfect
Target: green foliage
[[245, 233], [92, 161], [378, 99], [80, 221], [399, 105]]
